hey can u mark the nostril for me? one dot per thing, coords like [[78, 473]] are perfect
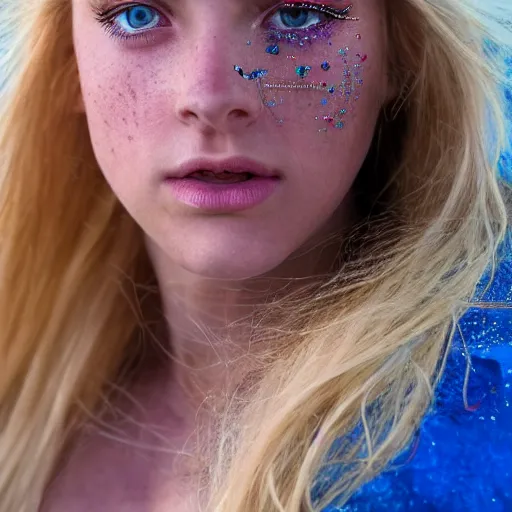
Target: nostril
[[239, 114], [188, 114], [217, 114]]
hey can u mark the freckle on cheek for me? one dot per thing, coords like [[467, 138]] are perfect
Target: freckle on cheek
[[132, 92]]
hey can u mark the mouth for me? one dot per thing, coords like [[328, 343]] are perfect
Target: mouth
[[228, 186], [224, 178], [225, 172]]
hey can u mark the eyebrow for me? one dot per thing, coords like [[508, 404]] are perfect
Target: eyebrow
[[104, 5]]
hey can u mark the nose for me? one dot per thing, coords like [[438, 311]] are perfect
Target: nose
[[211, 95]]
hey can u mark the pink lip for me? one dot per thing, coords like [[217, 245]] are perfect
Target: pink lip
[[223, 198]]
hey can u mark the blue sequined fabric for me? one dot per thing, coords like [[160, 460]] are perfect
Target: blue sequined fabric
[[463, 461], [463, 457], [506, 159]]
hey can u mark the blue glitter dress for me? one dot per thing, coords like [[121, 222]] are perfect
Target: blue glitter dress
[[463, 459]]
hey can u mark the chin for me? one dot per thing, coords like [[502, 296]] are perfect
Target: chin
[[230, 256], [225, 268]]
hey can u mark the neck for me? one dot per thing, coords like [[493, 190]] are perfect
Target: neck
[[211, 337]]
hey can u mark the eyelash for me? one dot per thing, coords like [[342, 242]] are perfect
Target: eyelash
[[107, 18]]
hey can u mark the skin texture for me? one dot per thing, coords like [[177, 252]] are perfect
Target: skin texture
[[154, 105], [158, 101]]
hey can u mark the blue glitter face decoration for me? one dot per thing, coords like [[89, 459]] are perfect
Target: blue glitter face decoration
[[273, 49], [253, 75], [303, 71], [293, 62]]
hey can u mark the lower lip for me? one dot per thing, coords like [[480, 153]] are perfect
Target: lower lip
[[222, 197]]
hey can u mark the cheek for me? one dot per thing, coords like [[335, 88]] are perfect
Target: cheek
[[111, 108], [328, 161], [332, 132], [327, 99], [321, 82], [115, 103], [322, 90]]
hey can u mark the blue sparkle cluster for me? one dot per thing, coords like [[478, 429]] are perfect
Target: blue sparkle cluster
[[506, 159], [462, 455]]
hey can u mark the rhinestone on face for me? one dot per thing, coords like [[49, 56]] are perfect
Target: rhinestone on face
[[273, 49], [303, 71]]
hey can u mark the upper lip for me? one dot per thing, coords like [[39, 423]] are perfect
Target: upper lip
[[234, 165]]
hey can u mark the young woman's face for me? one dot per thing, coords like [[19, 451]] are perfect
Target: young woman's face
[[288, 92]]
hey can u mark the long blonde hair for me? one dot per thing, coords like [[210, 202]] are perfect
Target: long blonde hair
[[365, 347]]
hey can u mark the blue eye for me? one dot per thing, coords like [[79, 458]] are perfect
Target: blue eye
[[137, 18], [132, 22], [305, 17], [296, 18]]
